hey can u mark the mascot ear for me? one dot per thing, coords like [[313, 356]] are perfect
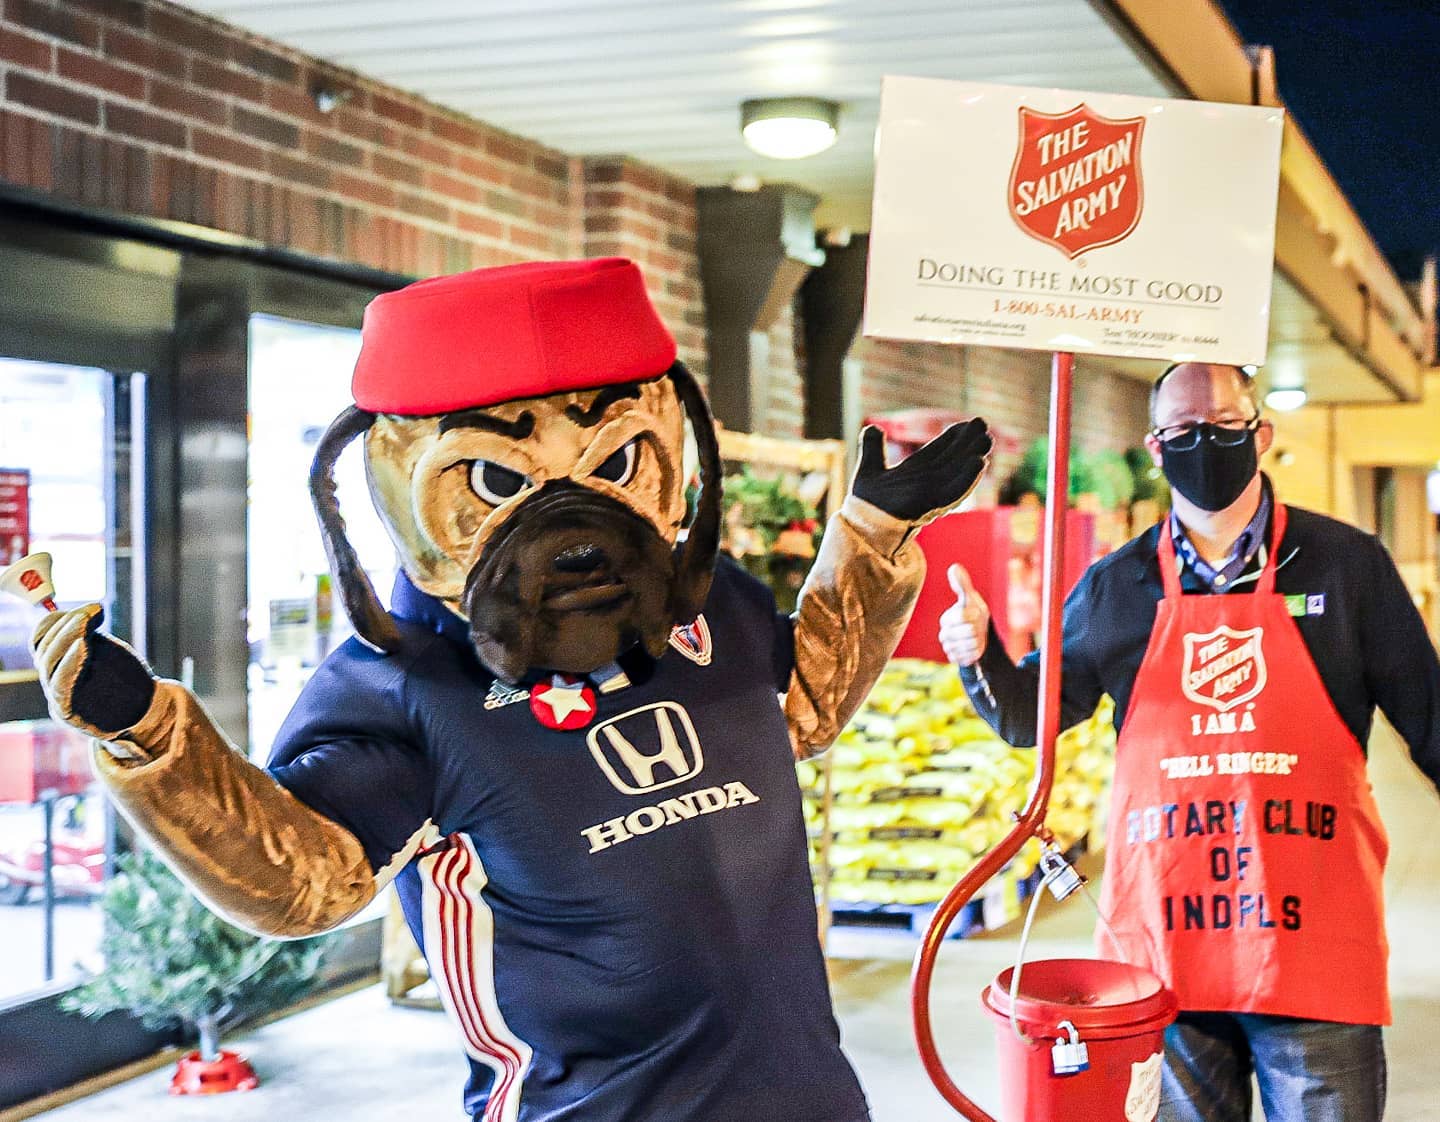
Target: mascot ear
[[372, 623], [696, 565]]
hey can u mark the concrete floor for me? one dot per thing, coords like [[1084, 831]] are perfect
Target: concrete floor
[[362, 1060]]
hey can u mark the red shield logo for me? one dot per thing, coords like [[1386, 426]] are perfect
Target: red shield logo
[[1075, 183], [1224, 668]]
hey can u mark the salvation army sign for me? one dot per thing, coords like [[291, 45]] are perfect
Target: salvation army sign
[[1051, 197], [1053, 220]]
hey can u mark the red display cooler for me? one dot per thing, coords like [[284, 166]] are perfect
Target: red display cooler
[[38, 756], [1001, 548]]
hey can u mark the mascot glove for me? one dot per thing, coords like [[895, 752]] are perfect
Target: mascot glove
[[929, 482], [93, 682]]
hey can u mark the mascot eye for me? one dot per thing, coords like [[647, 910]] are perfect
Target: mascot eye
[[495, 483], [619, 466]]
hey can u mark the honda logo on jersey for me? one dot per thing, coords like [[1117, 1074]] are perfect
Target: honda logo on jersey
[[648, 748], [1223, 668]]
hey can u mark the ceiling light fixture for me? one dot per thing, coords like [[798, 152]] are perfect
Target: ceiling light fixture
[[1285, 399], [789, 128]]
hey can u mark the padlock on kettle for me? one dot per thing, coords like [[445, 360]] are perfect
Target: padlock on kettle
[[1070, 1057]]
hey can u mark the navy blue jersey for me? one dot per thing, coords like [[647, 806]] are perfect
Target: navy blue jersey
[[620, 918]]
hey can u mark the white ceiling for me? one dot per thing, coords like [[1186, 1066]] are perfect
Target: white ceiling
[[1303, 351], [663, 80]]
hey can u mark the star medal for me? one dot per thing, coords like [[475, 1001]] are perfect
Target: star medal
[[563, 703]]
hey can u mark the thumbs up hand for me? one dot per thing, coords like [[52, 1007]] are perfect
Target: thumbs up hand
[[965, 625]]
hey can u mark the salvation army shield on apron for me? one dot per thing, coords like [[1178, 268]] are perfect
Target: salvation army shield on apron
[[1246, 852]]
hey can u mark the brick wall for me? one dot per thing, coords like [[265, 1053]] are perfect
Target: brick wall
[[144, 108], [900, 375], [632, 210], [1011, 390], [780, 409], [1111, 411]]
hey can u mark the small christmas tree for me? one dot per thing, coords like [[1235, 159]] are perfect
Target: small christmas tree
[[169, 960]]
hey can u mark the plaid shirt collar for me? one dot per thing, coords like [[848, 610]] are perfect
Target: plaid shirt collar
[[1231, 571]]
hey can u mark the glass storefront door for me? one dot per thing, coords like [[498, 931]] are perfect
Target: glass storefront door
[[73, 486], [157, 535]]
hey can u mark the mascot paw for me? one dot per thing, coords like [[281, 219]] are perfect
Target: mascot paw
[[93, 682], [931, 480]]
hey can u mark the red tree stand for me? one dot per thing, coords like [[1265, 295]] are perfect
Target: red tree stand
[[231, 1072]]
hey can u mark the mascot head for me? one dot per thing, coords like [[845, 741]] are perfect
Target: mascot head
[[524, 434]]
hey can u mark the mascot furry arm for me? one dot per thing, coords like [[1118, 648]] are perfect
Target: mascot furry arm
[[577, 466]]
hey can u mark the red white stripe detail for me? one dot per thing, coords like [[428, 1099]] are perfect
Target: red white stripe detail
[[693, 641], [459, 944]]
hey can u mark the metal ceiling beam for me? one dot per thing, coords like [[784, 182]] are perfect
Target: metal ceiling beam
[[755, 249], [1320, 242], [833, 299]]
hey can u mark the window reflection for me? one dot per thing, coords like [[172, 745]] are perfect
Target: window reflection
[[299, 382]]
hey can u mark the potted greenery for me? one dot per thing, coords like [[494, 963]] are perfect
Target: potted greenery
[[1032, 475], [169, 960], [1113, 481], [772, 531], [1152, 494]]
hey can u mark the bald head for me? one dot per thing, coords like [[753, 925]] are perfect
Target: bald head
[[1210, 472], [1202, 391]]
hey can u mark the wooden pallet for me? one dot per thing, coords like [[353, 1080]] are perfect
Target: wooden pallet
[[913, 919], [984, 913]]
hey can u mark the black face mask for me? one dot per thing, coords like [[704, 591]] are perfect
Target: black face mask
[[1211, 475]]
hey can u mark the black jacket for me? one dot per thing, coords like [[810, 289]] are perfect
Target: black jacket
[[1369, 643]]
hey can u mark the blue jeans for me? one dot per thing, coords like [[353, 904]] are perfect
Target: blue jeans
[[1308, 1071]]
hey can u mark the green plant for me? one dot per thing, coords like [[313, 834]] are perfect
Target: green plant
[[169, 960], [1149, 480], [1114, 482], [766, 505], [1032, 474], [758, 512]]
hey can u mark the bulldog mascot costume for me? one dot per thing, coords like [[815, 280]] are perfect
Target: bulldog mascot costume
[[571, 740]]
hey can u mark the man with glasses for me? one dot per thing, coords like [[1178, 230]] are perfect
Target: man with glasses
[[1247, 646]]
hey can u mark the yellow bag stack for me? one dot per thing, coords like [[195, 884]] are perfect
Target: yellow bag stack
[[921, 787]]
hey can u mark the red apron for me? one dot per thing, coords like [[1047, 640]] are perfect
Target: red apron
[[1246, 853]]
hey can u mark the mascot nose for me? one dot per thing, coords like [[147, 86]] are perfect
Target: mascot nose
[[580, 559]]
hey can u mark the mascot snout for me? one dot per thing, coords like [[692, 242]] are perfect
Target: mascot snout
[[569, 582]]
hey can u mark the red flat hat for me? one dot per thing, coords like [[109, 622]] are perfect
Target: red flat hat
[[493, 335]]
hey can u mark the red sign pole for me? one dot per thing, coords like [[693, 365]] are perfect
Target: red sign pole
[[1047, 729], [1057, 502]]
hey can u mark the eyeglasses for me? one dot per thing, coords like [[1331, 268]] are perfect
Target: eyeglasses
[[1227, 434]]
